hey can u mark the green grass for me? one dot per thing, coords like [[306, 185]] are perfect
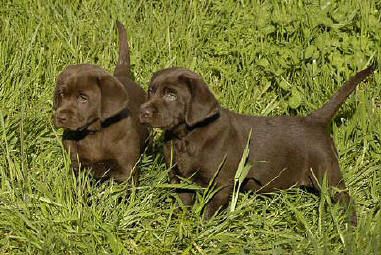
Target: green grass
[[259, 57]]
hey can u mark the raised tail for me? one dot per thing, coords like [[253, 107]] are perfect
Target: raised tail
[[326, 113], [123, 67]]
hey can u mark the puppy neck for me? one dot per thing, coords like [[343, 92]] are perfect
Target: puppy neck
[[75, 135], [178, 132]]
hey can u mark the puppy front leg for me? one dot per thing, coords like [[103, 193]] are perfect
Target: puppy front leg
[[127, 170], [74, 158], [128, 173], [185, 196], [219, 201]]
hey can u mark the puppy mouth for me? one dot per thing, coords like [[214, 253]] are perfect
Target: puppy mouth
[[144, 119], [149, 121], [67, 124], [157, 122], [59, 123]]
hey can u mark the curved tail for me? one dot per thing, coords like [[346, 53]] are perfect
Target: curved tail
[[123, 67], [326, 113]]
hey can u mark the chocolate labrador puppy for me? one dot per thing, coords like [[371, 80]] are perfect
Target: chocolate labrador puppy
[[100, 116], [201, 137]]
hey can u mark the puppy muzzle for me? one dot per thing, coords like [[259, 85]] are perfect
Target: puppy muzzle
[[146, 114]]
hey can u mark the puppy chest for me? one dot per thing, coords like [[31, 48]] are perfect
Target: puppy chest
[[86, 151], [184, 158]]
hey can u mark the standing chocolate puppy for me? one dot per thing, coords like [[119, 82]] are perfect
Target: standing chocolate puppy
[[99, 114], [200, 136]]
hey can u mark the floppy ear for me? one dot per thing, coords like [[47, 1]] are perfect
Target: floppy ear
[[113, 96], [202, 104]]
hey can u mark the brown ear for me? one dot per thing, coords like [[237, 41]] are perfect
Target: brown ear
[[202, 104], [113, 96]]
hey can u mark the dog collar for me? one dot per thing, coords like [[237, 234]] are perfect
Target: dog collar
[[113, 119]]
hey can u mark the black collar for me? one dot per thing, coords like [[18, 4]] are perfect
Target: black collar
[[182, 130], [117, 117], [82, 133]]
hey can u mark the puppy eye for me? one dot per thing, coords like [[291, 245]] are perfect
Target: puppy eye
[[170, 96], [82, 98]]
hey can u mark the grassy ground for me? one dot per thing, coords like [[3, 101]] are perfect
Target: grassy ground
[[259, 57]]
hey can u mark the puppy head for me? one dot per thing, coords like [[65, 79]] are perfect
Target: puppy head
[[177, 96], [85, 95]]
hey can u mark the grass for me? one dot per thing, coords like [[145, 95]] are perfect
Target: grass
[[259, 57]]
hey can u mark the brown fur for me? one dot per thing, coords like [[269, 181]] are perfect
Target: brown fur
[[284, 151], [99, 114]]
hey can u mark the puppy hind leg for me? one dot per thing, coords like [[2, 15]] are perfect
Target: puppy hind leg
[[342, 196], [336, 183], [336, 180]]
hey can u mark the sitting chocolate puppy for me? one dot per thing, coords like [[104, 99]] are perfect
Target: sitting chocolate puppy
[[99, 113], [200, 136]]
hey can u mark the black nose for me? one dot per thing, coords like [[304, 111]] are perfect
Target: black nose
[[62, 117], [146, 113]]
